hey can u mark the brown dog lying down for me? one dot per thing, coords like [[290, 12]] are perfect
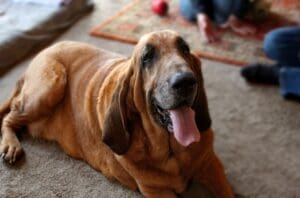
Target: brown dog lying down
[[142, 120]]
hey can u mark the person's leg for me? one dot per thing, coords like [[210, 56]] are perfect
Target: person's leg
[[218, 10], [224, 9], [190, 8], [230, 14], [240, 8], [289, 78], [283, 46], [200, 11]]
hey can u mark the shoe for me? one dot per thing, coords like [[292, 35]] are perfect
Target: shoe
[[258, 73], [292, 97]]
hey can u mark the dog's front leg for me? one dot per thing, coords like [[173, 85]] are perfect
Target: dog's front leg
[[153, 192], [213, 177]]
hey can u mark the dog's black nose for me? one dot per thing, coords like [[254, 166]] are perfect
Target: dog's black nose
[[183, 80]]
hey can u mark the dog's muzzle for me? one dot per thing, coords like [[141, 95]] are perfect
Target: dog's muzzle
[[172, 103]]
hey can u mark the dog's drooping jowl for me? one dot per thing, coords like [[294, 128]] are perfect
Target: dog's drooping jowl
[[142, 120]]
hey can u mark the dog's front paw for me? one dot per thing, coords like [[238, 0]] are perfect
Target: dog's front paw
[[10, 149]]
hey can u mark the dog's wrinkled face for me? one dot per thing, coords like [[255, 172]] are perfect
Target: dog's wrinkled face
[[170, 83]]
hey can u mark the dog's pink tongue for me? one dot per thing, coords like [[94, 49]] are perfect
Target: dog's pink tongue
[[184, 125]]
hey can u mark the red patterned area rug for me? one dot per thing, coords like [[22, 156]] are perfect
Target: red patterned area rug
[[136, 19]]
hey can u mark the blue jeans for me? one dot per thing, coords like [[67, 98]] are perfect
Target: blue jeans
[[217, 10], [283, 46]]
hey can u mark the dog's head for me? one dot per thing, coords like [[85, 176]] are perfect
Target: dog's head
[[170, 86]]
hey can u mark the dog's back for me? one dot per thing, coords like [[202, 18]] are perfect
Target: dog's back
[[56, 97]]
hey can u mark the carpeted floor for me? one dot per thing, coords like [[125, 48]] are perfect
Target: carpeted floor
[[257, 136]]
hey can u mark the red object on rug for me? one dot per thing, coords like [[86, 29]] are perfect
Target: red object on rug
[[159, 7]]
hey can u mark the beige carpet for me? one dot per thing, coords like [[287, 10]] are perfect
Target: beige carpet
[[257, 136]]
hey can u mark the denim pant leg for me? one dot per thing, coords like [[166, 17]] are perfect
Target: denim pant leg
[[240, 8], [217, 10], [224, 8], [283, 46], [188, 9]]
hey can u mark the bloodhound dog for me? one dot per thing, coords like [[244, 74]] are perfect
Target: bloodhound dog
[[142, 120]]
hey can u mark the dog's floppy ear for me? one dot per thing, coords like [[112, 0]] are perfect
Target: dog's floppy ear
[[116, 132], [200, 105]]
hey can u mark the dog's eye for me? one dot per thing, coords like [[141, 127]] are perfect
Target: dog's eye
[[148, 54], [183, 46]]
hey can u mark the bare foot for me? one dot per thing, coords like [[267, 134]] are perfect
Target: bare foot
[[239, 26], [206, 28]]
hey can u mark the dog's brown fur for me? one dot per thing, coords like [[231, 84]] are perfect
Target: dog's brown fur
[[94, 104]]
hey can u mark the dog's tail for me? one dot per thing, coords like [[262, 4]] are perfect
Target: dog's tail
[[6, 105]]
